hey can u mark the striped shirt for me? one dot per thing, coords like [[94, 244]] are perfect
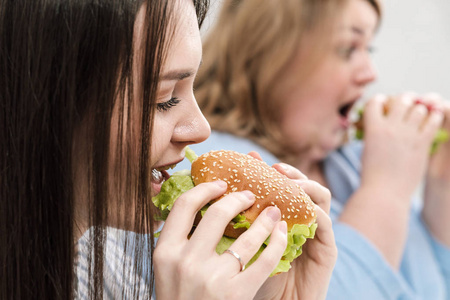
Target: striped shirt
[[121, 279]]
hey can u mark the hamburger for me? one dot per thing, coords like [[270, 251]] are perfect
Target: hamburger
[[441, 136], [244, 172]]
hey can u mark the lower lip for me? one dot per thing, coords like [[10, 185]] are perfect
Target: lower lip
[[156, 186], [344, 122]]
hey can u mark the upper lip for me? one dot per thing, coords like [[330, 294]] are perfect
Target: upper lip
[[345, 108], [167, 166]]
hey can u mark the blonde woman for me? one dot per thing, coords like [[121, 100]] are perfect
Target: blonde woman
[[281, 77], [96, 103]]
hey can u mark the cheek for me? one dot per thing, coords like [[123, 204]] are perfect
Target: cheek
[[161, 136], [295, 118]]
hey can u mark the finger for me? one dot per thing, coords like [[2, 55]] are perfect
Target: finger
[[324, 237], [251, 240], [417, 115], [374, 109], [319, 194], [432, 124], [324, 231], [433, 100], [446, 112], [289, 171], [211, 228], [399, 107], [256, 155], [271, 255], [181, 217]]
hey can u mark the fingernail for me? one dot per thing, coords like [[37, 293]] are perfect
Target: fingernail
[[221, 183], [301, 182], [433, 108], [274, 213], [249, 195], [282, 226], [283, 166], [419, 101]]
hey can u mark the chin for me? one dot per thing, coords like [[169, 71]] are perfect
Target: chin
[[329, 145]]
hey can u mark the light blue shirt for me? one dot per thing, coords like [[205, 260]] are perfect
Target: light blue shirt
[[121, 280], [361, 272]]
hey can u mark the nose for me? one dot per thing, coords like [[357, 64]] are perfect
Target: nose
[[193, 129], [366, 72]]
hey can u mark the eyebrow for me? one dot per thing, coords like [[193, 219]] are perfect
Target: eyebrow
[[358, 31], [177, 75]]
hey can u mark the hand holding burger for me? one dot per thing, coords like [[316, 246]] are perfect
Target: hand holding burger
[[441, 136], [270, 187]]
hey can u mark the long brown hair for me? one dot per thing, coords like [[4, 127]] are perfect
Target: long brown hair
[[64, 65], [244, 55]]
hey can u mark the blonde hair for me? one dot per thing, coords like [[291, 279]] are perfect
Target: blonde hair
[[244, 54]]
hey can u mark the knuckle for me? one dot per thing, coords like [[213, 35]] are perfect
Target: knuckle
[[270, 261], [326, 221], [217, 210], [162, 257], [247, 242], [211, 286], [187, 268], [234, 293], [421, 110], [326, 193]]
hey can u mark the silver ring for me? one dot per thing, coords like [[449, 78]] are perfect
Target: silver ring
[[238, 257]]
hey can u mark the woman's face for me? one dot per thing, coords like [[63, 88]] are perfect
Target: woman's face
[[178, 119], [314, 109]]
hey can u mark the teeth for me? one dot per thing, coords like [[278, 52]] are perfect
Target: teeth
[[166, 167], [156, 175]]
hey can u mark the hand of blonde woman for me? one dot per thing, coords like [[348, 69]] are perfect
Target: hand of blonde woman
[[191, 269], [436, 209], [397, 143], [396, 153]]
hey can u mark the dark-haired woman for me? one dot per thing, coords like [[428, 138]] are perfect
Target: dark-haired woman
[[96, 103]]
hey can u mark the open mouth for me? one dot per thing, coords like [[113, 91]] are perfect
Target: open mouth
[[344, 110], [159, 175]]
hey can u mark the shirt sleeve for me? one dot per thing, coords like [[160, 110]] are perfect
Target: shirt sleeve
[[361, 272]]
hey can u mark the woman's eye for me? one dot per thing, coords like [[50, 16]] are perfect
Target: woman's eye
[[164, 106], [371, 49], [346, 52]]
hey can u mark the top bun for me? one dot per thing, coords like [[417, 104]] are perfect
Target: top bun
[[271, 188]]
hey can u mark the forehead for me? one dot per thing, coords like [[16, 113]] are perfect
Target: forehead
[[358, 17], [184, 34]]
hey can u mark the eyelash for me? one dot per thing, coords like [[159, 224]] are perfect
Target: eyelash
[[165, 106], [346, 52]]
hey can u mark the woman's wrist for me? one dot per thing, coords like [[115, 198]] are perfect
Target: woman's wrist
[[436, 211], [380, 216]]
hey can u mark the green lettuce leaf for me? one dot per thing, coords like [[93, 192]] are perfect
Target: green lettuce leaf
[[171, 189], [297, 236], [441, 137], [190, 154]]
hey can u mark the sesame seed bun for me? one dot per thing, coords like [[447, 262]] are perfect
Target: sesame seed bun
[[271, 188]]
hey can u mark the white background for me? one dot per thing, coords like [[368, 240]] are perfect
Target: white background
[[412, 48]]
